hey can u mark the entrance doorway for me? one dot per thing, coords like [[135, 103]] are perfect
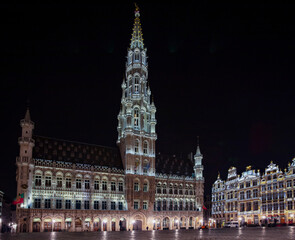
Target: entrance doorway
[[137, 225], [122, 224], [36, 226]]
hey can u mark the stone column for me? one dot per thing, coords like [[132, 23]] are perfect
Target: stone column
[[41, 225], [109, 226], [83, 224], [30, 224], [91, 224], [73, 224], [62, 225]]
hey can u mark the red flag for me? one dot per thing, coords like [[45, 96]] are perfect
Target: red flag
[[19, 199], [204, 207]]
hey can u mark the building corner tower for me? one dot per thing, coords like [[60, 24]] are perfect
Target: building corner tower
[[24, 161], [198, 170], [137, 124]]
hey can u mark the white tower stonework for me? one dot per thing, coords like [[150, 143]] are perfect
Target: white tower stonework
[[137, 122], [198, 169], [136, 119]]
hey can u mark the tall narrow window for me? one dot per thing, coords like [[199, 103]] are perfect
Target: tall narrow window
[[136, 187], [87, 184], [113, 186], [96, 205], [37, 203], [68, 182], [136, 146], [136, 84], [78, 204], [136, 117], [48, 181], [58, 204], [146, 166], [120, 186], [104, 185], [47, 203], [145, 187], [38, 181], [96, 185], [78, 183], [145, 147], [120, 206], [136, 56], [59, 182], [86, 204], [104, 205], [68, 204]]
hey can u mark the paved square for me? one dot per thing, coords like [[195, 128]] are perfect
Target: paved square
[[242, 233]]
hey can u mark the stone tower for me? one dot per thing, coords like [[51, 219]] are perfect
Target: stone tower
[[24, 162], [136, 119], [198, 169]]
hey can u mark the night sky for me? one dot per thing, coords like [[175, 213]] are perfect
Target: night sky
[[222, 72]]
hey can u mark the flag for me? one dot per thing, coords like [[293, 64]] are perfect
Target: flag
[[204, 207], [19, 199]]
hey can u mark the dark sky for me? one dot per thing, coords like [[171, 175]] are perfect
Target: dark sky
[[223, 72]]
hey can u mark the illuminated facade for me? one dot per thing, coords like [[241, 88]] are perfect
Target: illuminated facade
[[256, 199], [84, 187]]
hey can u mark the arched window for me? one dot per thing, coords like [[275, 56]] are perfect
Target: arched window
[[136, 117], [48, 179], [146, 166], [136, 186], [68, 181], [145, 147], [171, 188], [164, 188], [38, 178], [59, 180], [136, 84], [159, 191], [145, 186], [136, 146], [136, 165]]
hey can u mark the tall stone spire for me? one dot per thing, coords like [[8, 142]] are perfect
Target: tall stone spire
[[27, 115], [136, 119], [137, 40], [198, 168], [198, 152]]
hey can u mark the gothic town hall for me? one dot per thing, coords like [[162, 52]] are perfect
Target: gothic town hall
[[74, 186]]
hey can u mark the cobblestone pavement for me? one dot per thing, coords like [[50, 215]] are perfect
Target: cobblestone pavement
[[243, 233]]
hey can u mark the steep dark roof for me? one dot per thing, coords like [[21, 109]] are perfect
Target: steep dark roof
[[76, 152], [174, 164]]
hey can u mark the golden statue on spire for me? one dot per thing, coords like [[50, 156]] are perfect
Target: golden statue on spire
[[136, 7]]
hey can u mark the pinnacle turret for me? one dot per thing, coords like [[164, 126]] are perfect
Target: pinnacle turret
[[27, 115]]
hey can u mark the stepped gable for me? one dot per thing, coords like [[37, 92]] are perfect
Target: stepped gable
[[76, 152], [174, 164]]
